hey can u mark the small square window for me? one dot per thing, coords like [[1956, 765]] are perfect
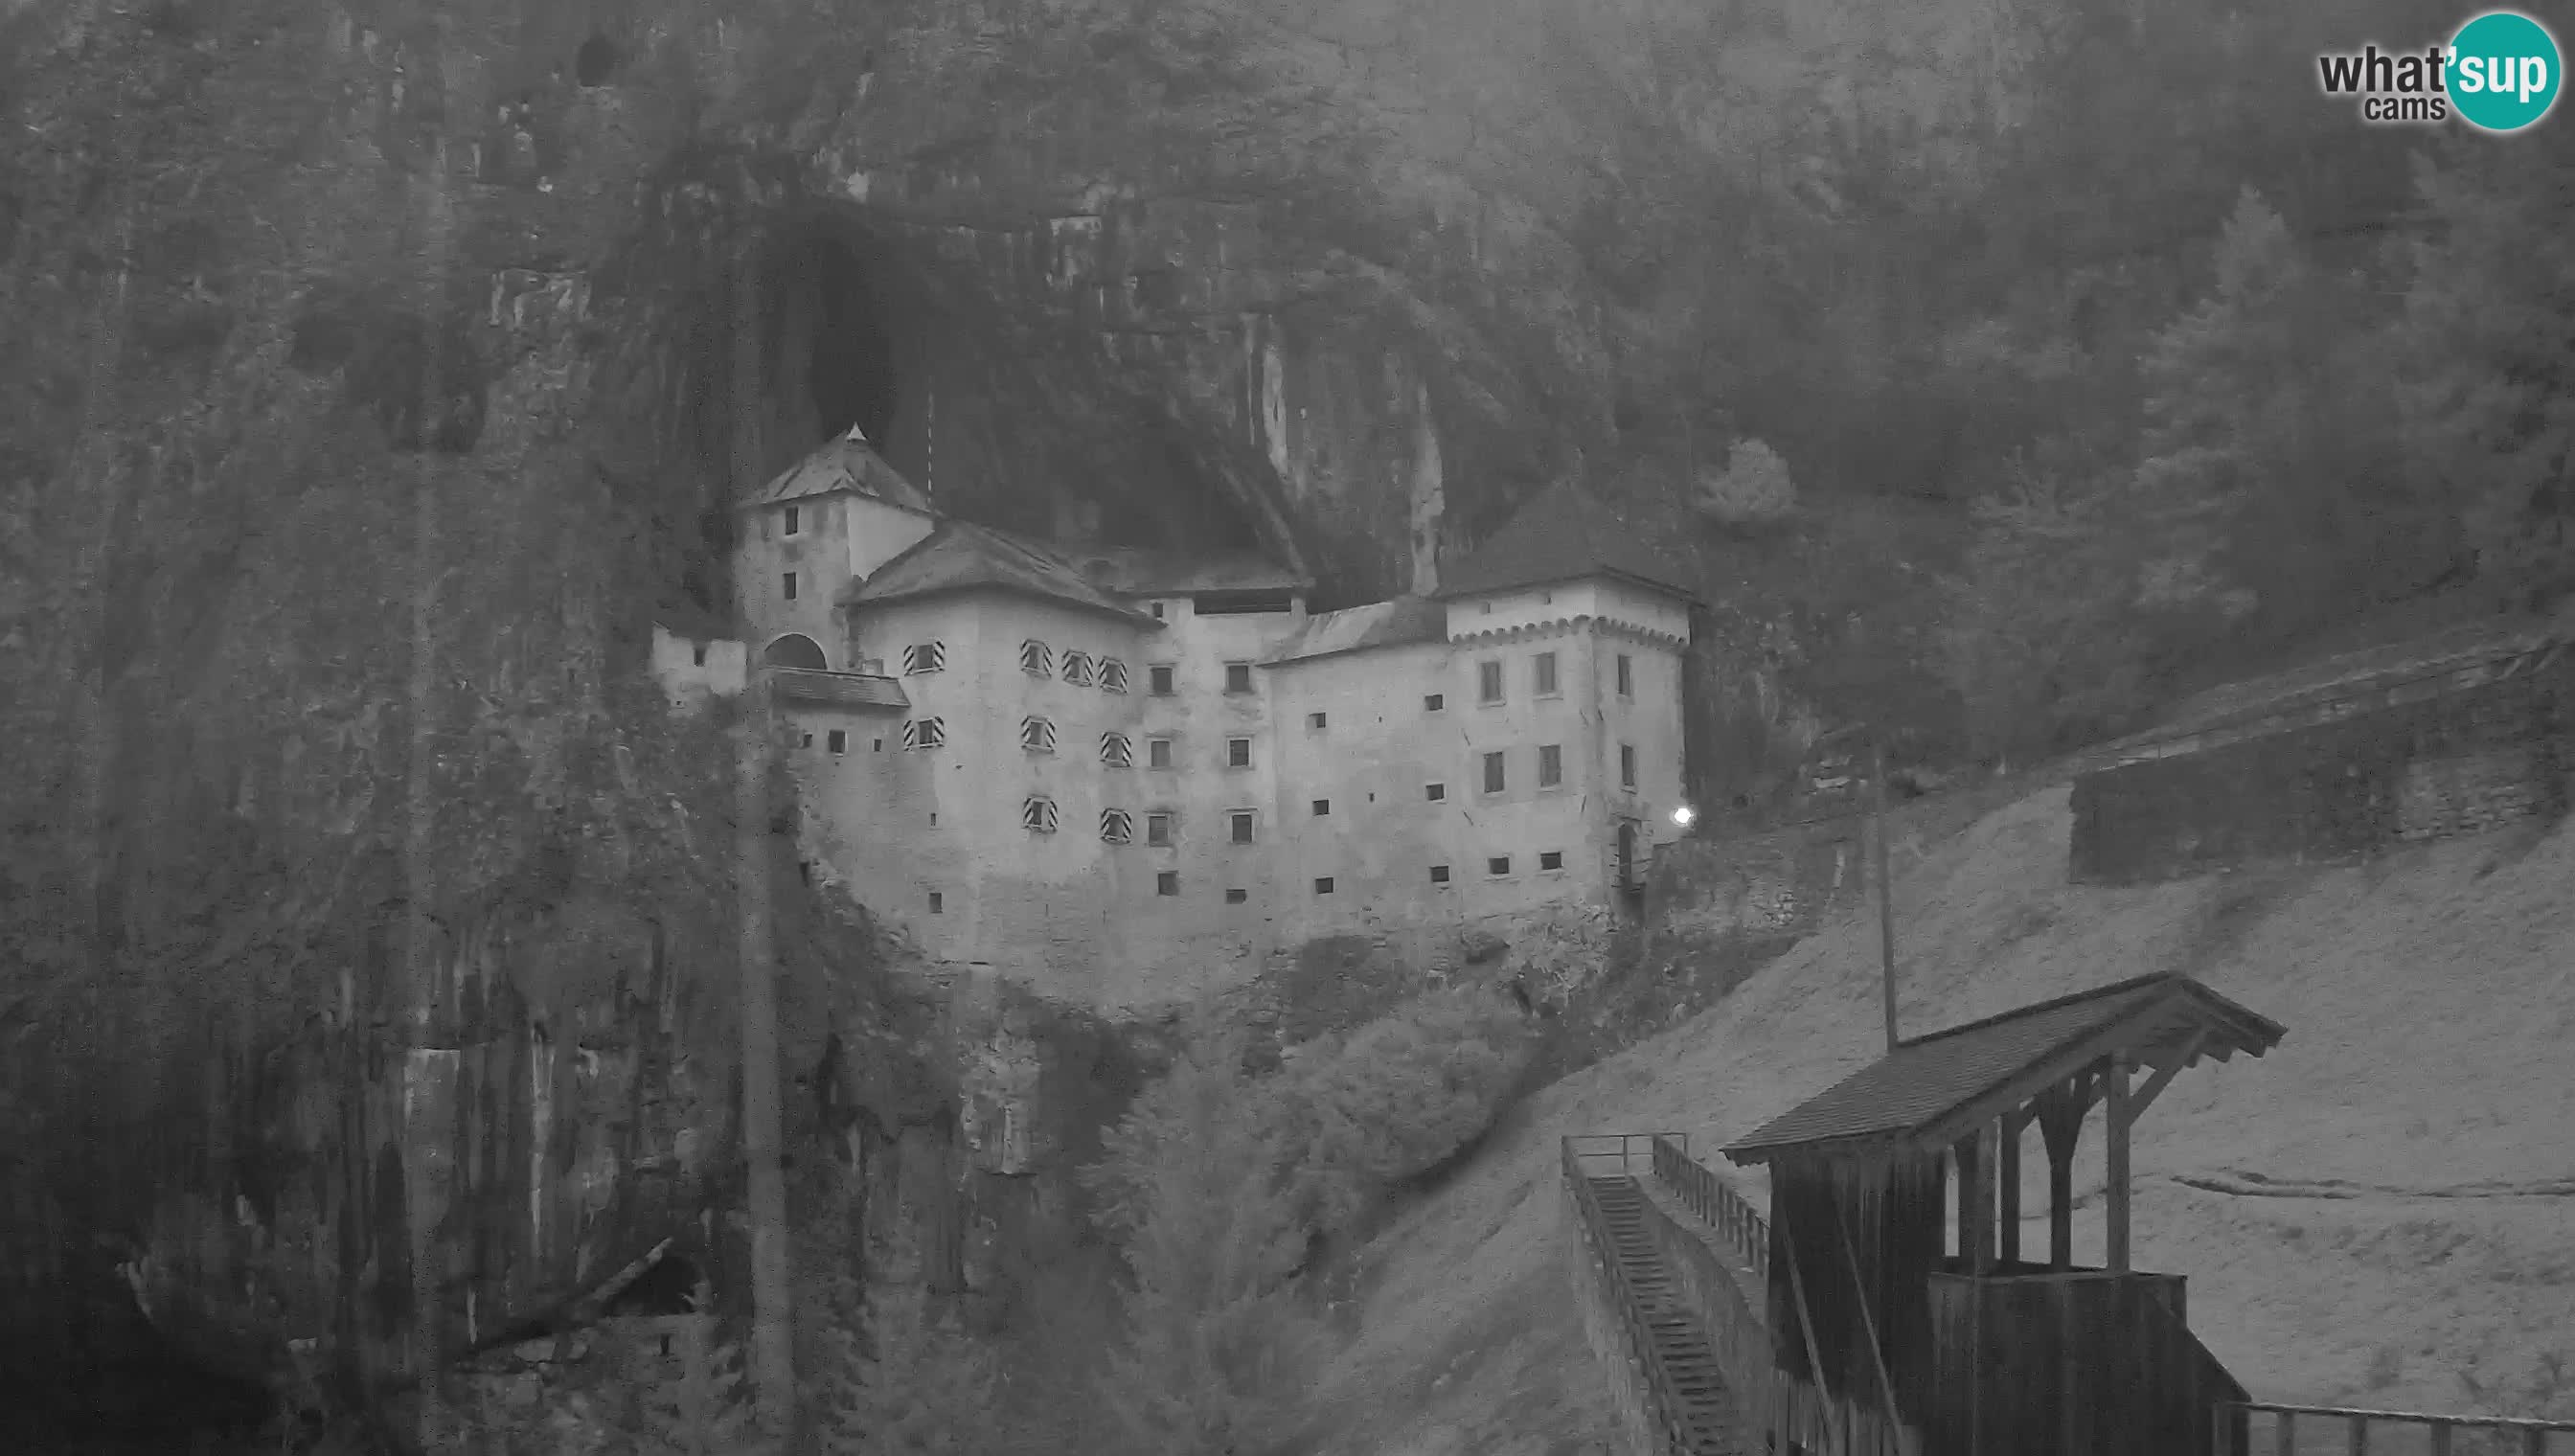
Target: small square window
[[1433, 701], [1499, 864], [1237, 897], [925, 733], [1242, 822], [1116, 752], [1547, 674], [697, 655], [1157, 752], [1434, 791], [1237, 753], [876, 746], [1323, 806], [1488, 681], [1037, 816], [1626, 676], [1626, 765], [787, 583], [807, 742], [923, 657], [1158, 612], [1113, 675], [1158, 829], [1168, 883], [1115, 827], [1438, 875], [1237, 678], [1551, 765], [1077, 669], [1037, 659], [837, 741], [792, 519], [1323, 886], [1160, 678], [1314, 721], [938, 904], [1037, 734], [1551, 859], [1493, 775]]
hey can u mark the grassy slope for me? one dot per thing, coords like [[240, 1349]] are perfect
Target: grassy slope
[[2431, 999]]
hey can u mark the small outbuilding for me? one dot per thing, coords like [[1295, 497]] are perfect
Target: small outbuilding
[[1973, 1348]]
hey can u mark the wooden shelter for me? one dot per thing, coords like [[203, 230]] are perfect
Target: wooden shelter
[[1973, 1348]]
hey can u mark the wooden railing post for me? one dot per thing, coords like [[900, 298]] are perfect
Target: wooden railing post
[[2116, 1157]]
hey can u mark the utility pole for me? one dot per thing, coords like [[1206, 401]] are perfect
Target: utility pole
[[1885, 886], [773, 1363]]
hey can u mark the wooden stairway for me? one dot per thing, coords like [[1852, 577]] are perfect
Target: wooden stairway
[[1687, 1370]]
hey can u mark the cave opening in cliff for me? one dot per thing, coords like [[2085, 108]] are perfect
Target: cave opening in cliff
[[839, 311]]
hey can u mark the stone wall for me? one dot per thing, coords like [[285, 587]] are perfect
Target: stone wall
[[1337, 982], [1728, 896], [2388, 768]]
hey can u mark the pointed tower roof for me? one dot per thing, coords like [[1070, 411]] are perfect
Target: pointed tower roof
[[848, 463], [1564, 534]]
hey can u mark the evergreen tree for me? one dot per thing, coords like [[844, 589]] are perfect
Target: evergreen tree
[[1214, 1343], [2489, 337], [891, 1373]]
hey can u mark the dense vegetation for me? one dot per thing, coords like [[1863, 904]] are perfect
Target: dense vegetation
[[1221, 1186], [2310, 443]]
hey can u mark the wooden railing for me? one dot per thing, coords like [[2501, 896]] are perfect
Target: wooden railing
[[2312, 1430], [1592, 1228], [1716, 1203]]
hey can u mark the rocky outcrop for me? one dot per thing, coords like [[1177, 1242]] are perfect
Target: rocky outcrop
[[379, 372]]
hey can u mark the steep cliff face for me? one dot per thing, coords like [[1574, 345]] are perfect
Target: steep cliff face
[[377, 375]]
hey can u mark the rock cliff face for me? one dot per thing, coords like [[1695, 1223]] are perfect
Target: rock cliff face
[[377, 373]]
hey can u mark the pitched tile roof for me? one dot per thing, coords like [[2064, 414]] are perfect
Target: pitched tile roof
[[1404, 620], [1932, 1088], [839, 690], [846, 464], [958, 556], [1135, 571], [1564, 532]]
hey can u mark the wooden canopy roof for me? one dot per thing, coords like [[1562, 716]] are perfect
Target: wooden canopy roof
[[1931, 1090]]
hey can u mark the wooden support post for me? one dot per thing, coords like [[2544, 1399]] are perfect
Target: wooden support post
[[1971, 1202], [2060, 1126], [2115, 1085], [1975, 1155], [2007, 1188], [1885, 887]]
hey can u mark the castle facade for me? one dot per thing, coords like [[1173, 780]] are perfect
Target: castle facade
[[1127, 777]]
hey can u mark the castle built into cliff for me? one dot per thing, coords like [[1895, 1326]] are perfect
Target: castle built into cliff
[[1127, 777]]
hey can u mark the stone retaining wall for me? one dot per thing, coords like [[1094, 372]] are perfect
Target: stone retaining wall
[[2390, 767]]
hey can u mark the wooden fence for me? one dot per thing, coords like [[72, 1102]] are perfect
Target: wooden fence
[[1716, 1203], [2265, 1428]]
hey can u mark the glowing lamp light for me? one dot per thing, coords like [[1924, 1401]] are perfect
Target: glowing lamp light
[[1684, 815]]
